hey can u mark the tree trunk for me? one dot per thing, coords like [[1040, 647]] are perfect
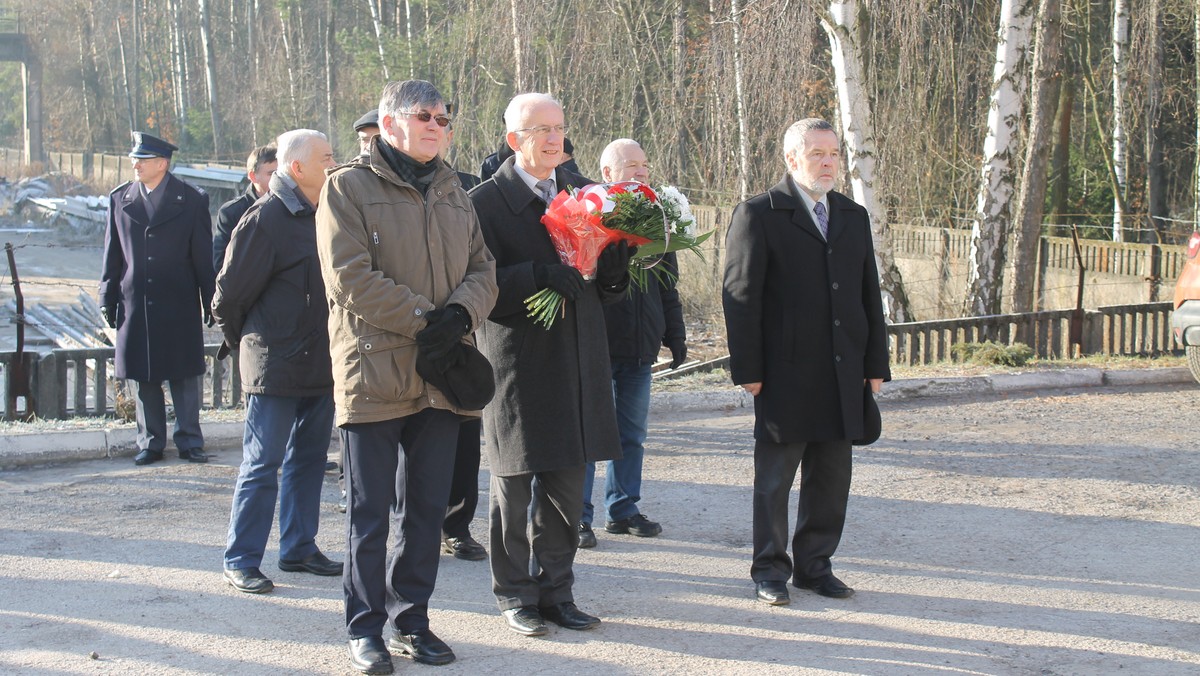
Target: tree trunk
[[858, 131], [210, 74], [378, 42], [1156, 183], [735, 18], [125, 78], [408, 40], [177, 72], [1047, 58], [993, 213], [284, 30], [1120, 48], [518, 56], [1060, 160], [679, 49], [252, 45], [329, 79]]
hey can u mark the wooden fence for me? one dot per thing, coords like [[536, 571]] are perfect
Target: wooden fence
[[1134, 330], [76, 383]]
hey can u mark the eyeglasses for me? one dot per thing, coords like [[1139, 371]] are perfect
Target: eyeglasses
[[544, 130], [425, 116]]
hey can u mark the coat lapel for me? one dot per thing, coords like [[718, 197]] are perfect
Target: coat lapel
[[784, 199], [131, 204], [516, 194], [172, 202]]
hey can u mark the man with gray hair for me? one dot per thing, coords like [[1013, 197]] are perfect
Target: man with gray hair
[[806, 333], [408, 279], [268, 301], [553, 411], [639, 326]]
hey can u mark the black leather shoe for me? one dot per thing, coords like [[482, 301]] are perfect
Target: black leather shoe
[[526, 621], [637, 525], [147, 457], [567, 616], [773, 592], [315, 563], [466, 548], [331, 466], [193, 455], [587, 537], [370, 656], [423, 646], [826, 585], [249, 580]]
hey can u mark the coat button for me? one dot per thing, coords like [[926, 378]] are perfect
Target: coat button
[[149, 258], [838, 358], [418, 312], [835, 286], [829, 251], [837, 322], [366, 346], [149, 281]]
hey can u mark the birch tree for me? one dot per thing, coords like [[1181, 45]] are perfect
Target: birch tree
[[846, 41], [1120, 50], [1047, 57], [378, 23], [210, 73], [735, 17], [990, 227]]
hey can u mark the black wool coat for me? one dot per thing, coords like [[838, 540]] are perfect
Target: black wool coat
[[160, 276], [554, 404], [803, 316], [270, 298]]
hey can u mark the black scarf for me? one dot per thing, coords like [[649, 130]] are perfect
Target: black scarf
[[417, 174]]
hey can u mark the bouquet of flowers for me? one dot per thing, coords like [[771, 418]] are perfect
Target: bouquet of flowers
[[582, 222]]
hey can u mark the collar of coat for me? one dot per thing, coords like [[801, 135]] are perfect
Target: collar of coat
[[173, 201], [374, 161], [517, 193], [783, 197], [284, 188]]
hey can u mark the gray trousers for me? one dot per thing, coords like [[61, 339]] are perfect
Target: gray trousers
[[152, 413], [821, 513], [535, 572]]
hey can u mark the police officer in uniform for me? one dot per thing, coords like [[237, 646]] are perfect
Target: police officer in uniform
[[156, 285]]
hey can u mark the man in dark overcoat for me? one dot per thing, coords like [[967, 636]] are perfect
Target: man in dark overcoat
[[260, 166], [553, 410], [806, 334], [156, 284]]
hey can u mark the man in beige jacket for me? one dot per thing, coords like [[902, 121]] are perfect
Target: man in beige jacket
[[406, 272]]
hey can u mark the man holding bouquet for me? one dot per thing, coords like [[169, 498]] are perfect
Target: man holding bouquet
[[553, 411]]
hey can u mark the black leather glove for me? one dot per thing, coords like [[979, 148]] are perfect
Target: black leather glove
[[109, 312], [678, 352], [613, 266], [208, 318], [564, 279], [224, 350], [444, 329]]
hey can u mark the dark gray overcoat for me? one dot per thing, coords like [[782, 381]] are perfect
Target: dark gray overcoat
[[554, 402], [803, 316], [160, 276]]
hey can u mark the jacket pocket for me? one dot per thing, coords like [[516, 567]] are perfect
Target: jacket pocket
[[387, 366]]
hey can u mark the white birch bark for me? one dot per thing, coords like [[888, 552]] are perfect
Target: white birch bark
[[735, 16], [210, 74], [518, 58], [993, 212], [412, 66], [1120, 47], [858, 134], [379, 37]]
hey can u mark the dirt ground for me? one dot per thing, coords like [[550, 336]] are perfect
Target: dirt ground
[[1054, 533]]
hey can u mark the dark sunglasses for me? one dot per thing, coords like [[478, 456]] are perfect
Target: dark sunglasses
[[425, 116]]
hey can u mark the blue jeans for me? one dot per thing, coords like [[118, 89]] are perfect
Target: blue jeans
[[292, 433], [623, 481]]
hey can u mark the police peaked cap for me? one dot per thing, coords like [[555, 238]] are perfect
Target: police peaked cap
[[146, 146]]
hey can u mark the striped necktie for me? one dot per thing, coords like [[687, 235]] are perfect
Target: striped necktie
[[822, 219]]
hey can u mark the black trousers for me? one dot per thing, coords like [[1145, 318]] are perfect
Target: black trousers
[[464, 485], [821, 514], [537, 571], [397, 471]]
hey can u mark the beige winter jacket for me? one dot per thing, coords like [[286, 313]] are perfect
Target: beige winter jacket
[[389, 256]]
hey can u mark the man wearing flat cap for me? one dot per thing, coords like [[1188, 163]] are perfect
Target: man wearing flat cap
[[156, 285], [367, 128]]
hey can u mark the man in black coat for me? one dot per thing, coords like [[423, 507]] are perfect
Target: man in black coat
[[639, 325], [260, 166], [806, 334], [270, 301], [156, 284], [553, 409]]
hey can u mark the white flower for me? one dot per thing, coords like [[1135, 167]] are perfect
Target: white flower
[[669, 193]]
